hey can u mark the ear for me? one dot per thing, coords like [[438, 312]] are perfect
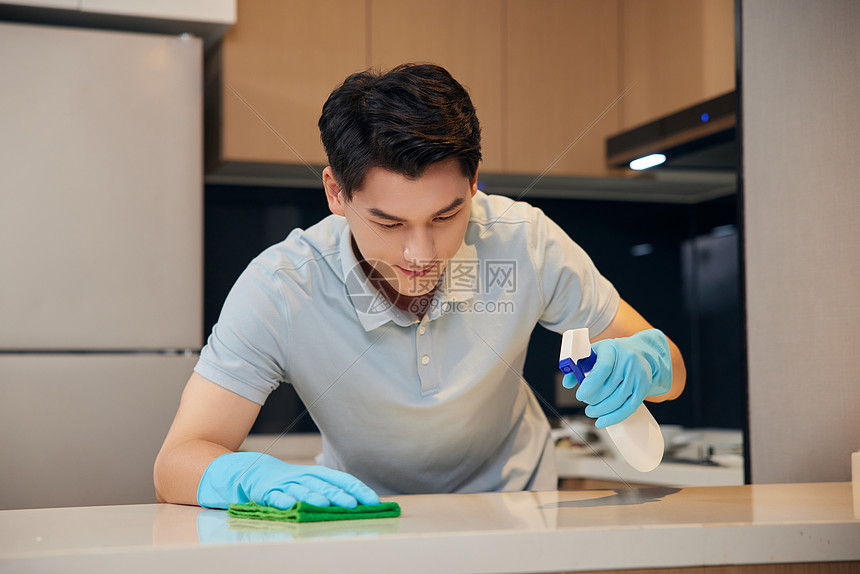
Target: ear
[[333, 192], [475, 184]]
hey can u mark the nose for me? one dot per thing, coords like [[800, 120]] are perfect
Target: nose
[[420, 248]]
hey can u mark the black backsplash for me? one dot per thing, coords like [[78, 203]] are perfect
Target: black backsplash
[[676, 264], [241, 222]]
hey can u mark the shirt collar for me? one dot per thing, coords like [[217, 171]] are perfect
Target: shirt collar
[[371, 306], [458, 283]]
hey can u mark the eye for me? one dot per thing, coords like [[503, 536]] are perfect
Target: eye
[[443, 218], [387, 225]]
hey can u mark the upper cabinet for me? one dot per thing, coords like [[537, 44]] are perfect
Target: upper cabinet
[[560, 85], [550, 79], [463, 37], [283, 59], [673, 54], [279, 64]]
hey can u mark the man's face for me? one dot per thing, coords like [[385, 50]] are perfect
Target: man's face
[[407, 229]]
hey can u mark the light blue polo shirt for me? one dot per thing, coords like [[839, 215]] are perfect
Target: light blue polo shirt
[[408, 406]]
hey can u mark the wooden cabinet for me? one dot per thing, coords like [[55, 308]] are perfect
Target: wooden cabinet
[[550, 79], [560, 83], [463, 37], [674, 53], [280, 63], [580, 71], [284, 58]]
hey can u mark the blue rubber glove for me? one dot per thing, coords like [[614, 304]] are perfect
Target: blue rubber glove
[[627, 370], [239, 477]]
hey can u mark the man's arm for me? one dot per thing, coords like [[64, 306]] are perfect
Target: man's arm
[[198, 463], [211, 421], [628, 321]]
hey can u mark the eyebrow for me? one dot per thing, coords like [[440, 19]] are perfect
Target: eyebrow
[[382, 215]]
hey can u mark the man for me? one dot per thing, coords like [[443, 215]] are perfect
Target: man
[[402, 320]]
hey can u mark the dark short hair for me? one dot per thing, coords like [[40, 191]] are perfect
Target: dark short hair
[[404, 121]]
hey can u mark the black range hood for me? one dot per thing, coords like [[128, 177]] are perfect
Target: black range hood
[[701, 137]]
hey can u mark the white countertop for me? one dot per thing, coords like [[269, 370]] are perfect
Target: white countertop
[[493, 532]]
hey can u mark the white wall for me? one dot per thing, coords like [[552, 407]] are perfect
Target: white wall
[[801, 122]]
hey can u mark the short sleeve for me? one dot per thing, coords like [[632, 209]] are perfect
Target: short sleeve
[[573, 291], [246, 352]]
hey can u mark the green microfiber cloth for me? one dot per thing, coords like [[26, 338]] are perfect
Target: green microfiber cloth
[[304, 512]]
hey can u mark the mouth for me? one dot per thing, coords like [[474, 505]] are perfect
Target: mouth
[[416, 272]]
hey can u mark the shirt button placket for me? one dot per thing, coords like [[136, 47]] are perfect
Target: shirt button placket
[[425, 369]]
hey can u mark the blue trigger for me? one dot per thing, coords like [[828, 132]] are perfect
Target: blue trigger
[[586, 364], [579, 368]]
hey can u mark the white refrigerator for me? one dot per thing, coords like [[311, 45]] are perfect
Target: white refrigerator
[[101, 263]]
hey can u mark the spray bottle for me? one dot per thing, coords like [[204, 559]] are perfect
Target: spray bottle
[[638, 437]]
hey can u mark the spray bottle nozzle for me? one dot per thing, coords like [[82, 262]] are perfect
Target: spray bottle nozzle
[[576, 357]]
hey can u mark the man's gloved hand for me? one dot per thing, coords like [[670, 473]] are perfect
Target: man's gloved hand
[[240, 477], [626, 371]]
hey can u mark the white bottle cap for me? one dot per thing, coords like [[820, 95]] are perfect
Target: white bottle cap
[[575, 345]]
